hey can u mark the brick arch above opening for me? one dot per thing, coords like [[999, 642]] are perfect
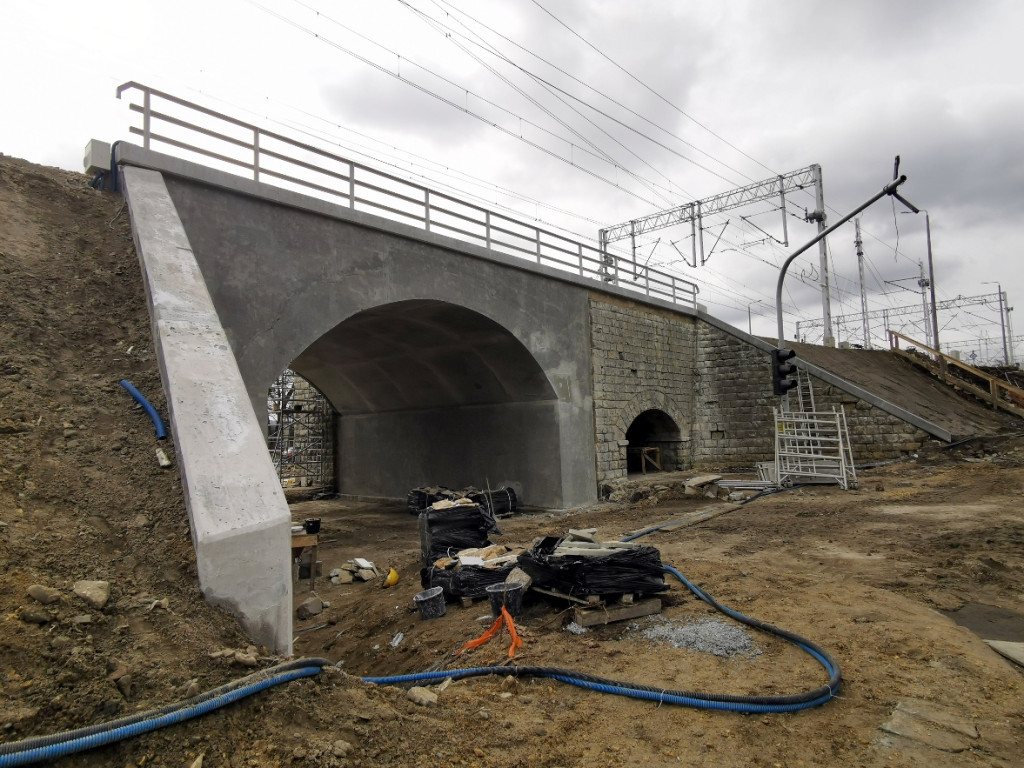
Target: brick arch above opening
[[650, 400]]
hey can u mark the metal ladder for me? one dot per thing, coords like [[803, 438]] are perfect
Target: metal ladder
[[812, 446]]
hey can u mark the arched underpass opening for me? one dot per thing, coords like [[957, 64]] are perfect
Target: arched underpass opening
[[431, 393], [300, 433], [654, 440]]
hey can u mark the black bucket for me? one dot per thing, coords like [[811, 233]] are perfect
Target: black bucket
[[507, 593], [312, 525], [430, 602]]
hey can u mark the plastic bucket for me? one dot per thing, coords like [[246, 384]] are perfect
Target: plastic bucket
[[507, 593], [312, 525], [430, 602]]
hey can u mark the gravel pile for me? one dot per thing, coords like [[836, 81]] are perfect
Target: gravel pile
[[706, 635]]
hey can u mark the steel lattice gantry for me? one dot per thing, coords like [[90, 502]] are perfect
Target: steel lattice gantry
[[775, 187]]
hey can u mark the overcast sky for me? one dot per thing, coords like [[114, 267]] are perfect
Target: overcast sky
[[661, 103]]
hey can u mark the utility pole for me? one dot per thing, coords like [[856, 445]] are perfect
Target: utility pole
[[1002, 318], [818, 215], [922, 281], [1009, 327], [931, 283], [863, 295], [1002, 324]]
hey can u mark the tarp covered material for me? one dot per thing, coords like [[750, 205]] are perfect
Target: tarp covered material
[[443, 532], [499, 502], [632, 570], [466, 580]]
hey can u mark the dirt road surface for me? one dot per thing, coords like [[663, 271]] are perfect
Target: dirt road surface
[[879, 577]]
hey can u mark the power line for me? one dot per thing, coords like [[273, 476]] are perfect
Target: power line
[[654, 92]]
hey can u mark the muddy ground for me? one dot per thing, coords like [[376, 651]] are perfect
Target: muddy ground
[[878, 576]]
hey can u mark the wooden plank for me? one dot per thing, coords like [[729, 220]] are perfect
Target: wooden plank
[[700, 515], [701, 480], [593, 617], [305, 540], [559, 595], [1013, 651]]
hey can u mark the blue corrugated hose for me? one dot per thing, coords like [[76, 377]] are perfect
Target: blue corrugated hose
[[62, 744], [161, 433]]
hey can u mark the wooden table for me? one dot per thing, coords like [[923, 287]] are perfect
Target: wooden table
[[301, 541]]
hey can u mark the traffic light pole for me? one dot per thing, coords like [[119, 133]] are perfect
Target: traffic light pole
[[888, 189]]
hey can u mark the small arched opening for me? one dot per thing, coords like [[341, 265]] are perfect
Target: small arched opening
[[654, 440], [300, 433]]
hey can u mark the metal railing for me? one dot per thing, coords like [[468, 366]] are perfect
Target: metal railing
[[999, 393], [241, 148]]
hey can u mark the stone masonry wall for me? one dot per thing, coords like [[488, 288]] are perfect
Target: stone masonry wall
[[732, 420], [716, 388], [733, 424], [643, 360]]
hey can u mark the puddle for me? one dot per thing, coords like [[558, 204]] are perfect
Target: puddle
[[989, 622]]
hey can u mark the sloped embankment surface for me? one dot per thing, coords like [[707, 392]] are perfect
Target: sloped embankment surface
[[901, 383]]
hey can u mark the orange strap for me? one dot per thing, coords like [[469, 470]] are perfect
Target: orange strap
[[516, 642], [504, 618], [484, 637]]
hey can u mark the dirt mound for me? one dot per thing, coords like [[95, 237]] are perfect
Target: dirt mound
[[82, 499]]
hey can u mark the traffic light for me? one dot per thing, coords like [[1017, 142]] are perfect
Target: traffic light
[[782, 370]]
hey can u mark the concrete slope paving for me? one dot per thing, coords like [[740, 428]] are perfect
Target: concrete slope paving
[[901, 383]]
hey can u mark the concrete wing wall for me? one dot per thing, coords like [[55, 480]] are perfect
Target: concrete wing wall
[[238, 515]]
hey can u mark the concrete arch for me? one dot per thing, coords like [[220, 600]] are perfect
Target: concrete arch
[[432, 393], [283, 278]]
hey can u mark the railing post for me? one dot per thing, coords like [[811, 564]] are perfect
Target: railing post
[[426, 209], [487, 229], [255, 154], [579, 257], [145, 118], [536, 232], [351, 185]]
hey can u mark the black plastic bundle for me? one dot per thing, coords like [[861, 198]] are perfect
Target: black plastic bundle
[[625, 571], [420, 498], [466, 580], [443, 532], [503, 501]]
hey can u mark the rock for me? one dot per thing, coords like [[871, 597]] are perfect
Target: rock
[[342, 577], [365, 574], [246, 659], [34, 614], [310, 607], [422, 696], [341, 748], [95, 593], [140, 521], [510, 684], [44, 595], [519, 576], [124, 684]]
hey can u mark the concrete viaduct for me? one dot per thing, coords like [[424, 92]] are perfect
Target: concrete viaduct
[[446, 362]]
